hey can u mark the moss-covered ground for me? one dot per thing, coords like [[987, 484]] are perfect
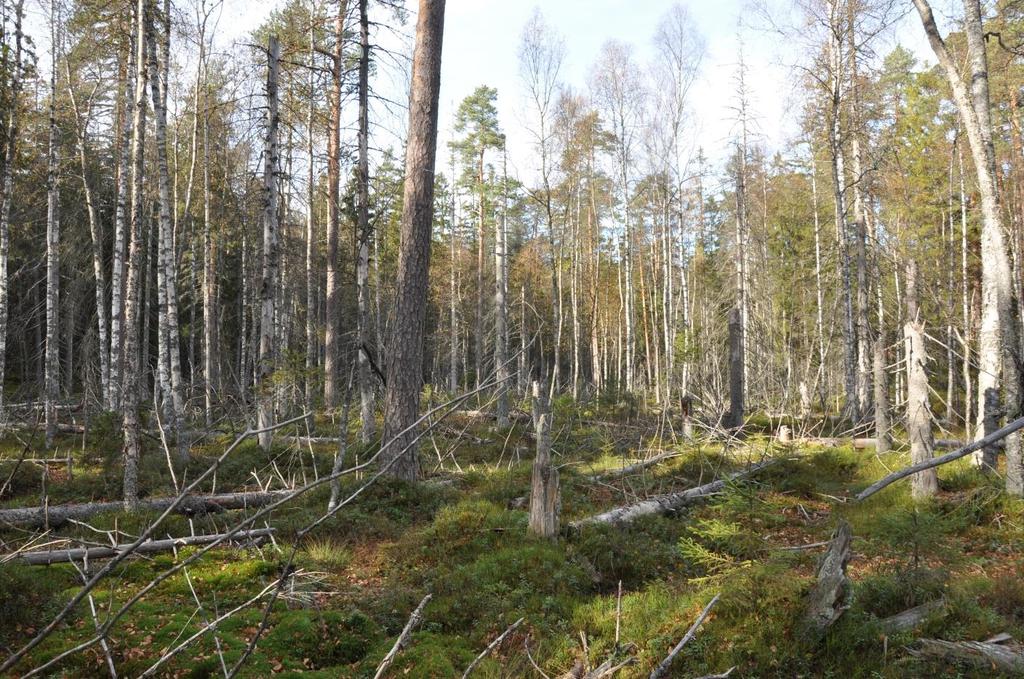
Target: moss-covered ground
[[462, 536]]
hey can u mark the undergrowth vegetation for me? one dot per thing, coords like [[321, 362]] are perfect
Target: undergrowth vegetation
[[462, 536]]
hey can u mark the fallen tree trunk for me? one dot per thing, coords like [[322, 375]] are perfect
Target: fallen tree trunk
[[827, 600], [194, 505], [151, 547], [633, 468], [911, 618], [860, 443], [669, 502], [981, 654], [997, 435]]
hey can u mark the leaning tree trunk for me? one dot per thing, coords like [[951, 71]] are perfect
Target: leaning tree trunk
[[997, 340], [133, 301], [919, 414], [368, 428], [264, 386], [405, 358]]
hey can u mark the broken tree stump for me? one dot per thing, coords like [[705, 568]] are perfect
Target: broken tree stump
[[828, 598], [545, 500]]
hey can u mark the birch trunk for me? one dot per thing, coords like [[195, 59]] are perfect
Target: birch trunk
[[82, 121], [997, 340], [170, 334], [368, 428], [271, 257], [919, 415], [51, 379], [133, 301]]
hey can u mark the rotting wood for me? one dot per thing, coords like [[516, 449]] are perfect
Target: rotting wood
[[45, 558], [193, 505], [828, 598], [911, 618], [981, 654], [668, 502]]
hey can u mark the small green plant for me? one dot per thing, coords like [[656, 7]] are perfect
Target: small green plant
[[326, 553]]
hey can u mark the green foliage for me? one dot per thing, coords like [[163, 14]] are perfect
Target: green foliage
[[327, 639], [634, 554]]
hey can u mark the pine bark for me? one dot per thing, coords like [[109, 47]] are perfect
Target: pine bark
[[405, 356], [332, 334]]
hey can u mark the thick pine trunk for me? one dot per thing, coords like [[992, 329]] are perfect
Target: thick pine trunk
[[332, 334], [405, 356], [545, 499]]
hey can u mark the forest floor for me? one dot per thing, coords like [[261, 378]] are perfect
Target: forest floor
[[462, 537]]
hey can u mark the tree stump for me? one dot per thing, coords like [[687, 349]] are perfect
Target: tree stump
[[545, 500]]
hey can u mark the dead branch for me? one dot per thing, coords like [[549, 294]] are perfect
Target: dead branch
[[491, 646], [662, 668], [45, 558], [403, 639], [190, 505], [997, 435]]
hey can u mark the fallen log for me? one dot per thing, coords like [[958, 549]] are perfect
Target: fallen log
[[827, 600], [997, 435], [981, 654], [45, 558], [633, 468], [193, 505], [911, 618], [669, 502], [861, 443]]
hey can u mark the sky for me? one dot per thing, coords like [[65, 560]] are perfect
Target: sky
[[482, 39]]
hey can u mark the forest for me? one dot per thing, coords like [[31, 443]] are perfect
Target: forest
[[314, 360]]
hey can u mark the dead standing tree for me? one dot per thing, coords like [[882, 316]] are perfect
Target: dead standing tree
[[545, 499]]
